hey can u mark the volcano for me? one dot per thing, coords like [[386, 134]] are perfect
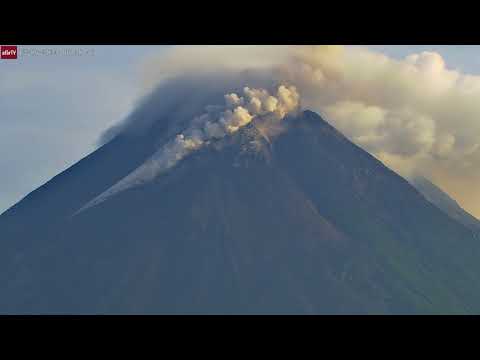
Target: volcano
[[304, 222]]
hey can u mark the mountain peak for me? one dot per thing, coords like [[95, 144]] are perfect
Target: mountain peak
[[300, 222]]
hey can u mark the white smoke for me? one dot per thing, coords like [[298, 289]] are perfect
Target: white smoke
[[216, 123]]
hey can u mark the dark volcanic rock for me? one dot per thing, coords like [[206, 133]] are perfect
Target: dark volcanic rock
[[305, 222]]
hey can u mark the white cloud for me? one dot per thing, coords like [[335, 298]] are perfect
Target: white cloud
[[413, 113]]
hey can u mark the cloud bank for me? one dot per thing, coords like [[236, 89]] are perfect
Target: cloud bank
[[414, 114]]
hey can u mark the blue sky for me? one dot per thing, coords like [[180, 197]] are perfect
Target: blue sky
[[53, 108]]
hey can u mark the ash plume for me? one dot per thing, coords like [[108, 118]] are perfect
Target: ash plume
[[216, 123]]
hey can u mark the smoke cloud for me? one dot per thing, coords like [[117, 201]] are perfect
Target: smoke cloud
[[216, 123], [414, 114]]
